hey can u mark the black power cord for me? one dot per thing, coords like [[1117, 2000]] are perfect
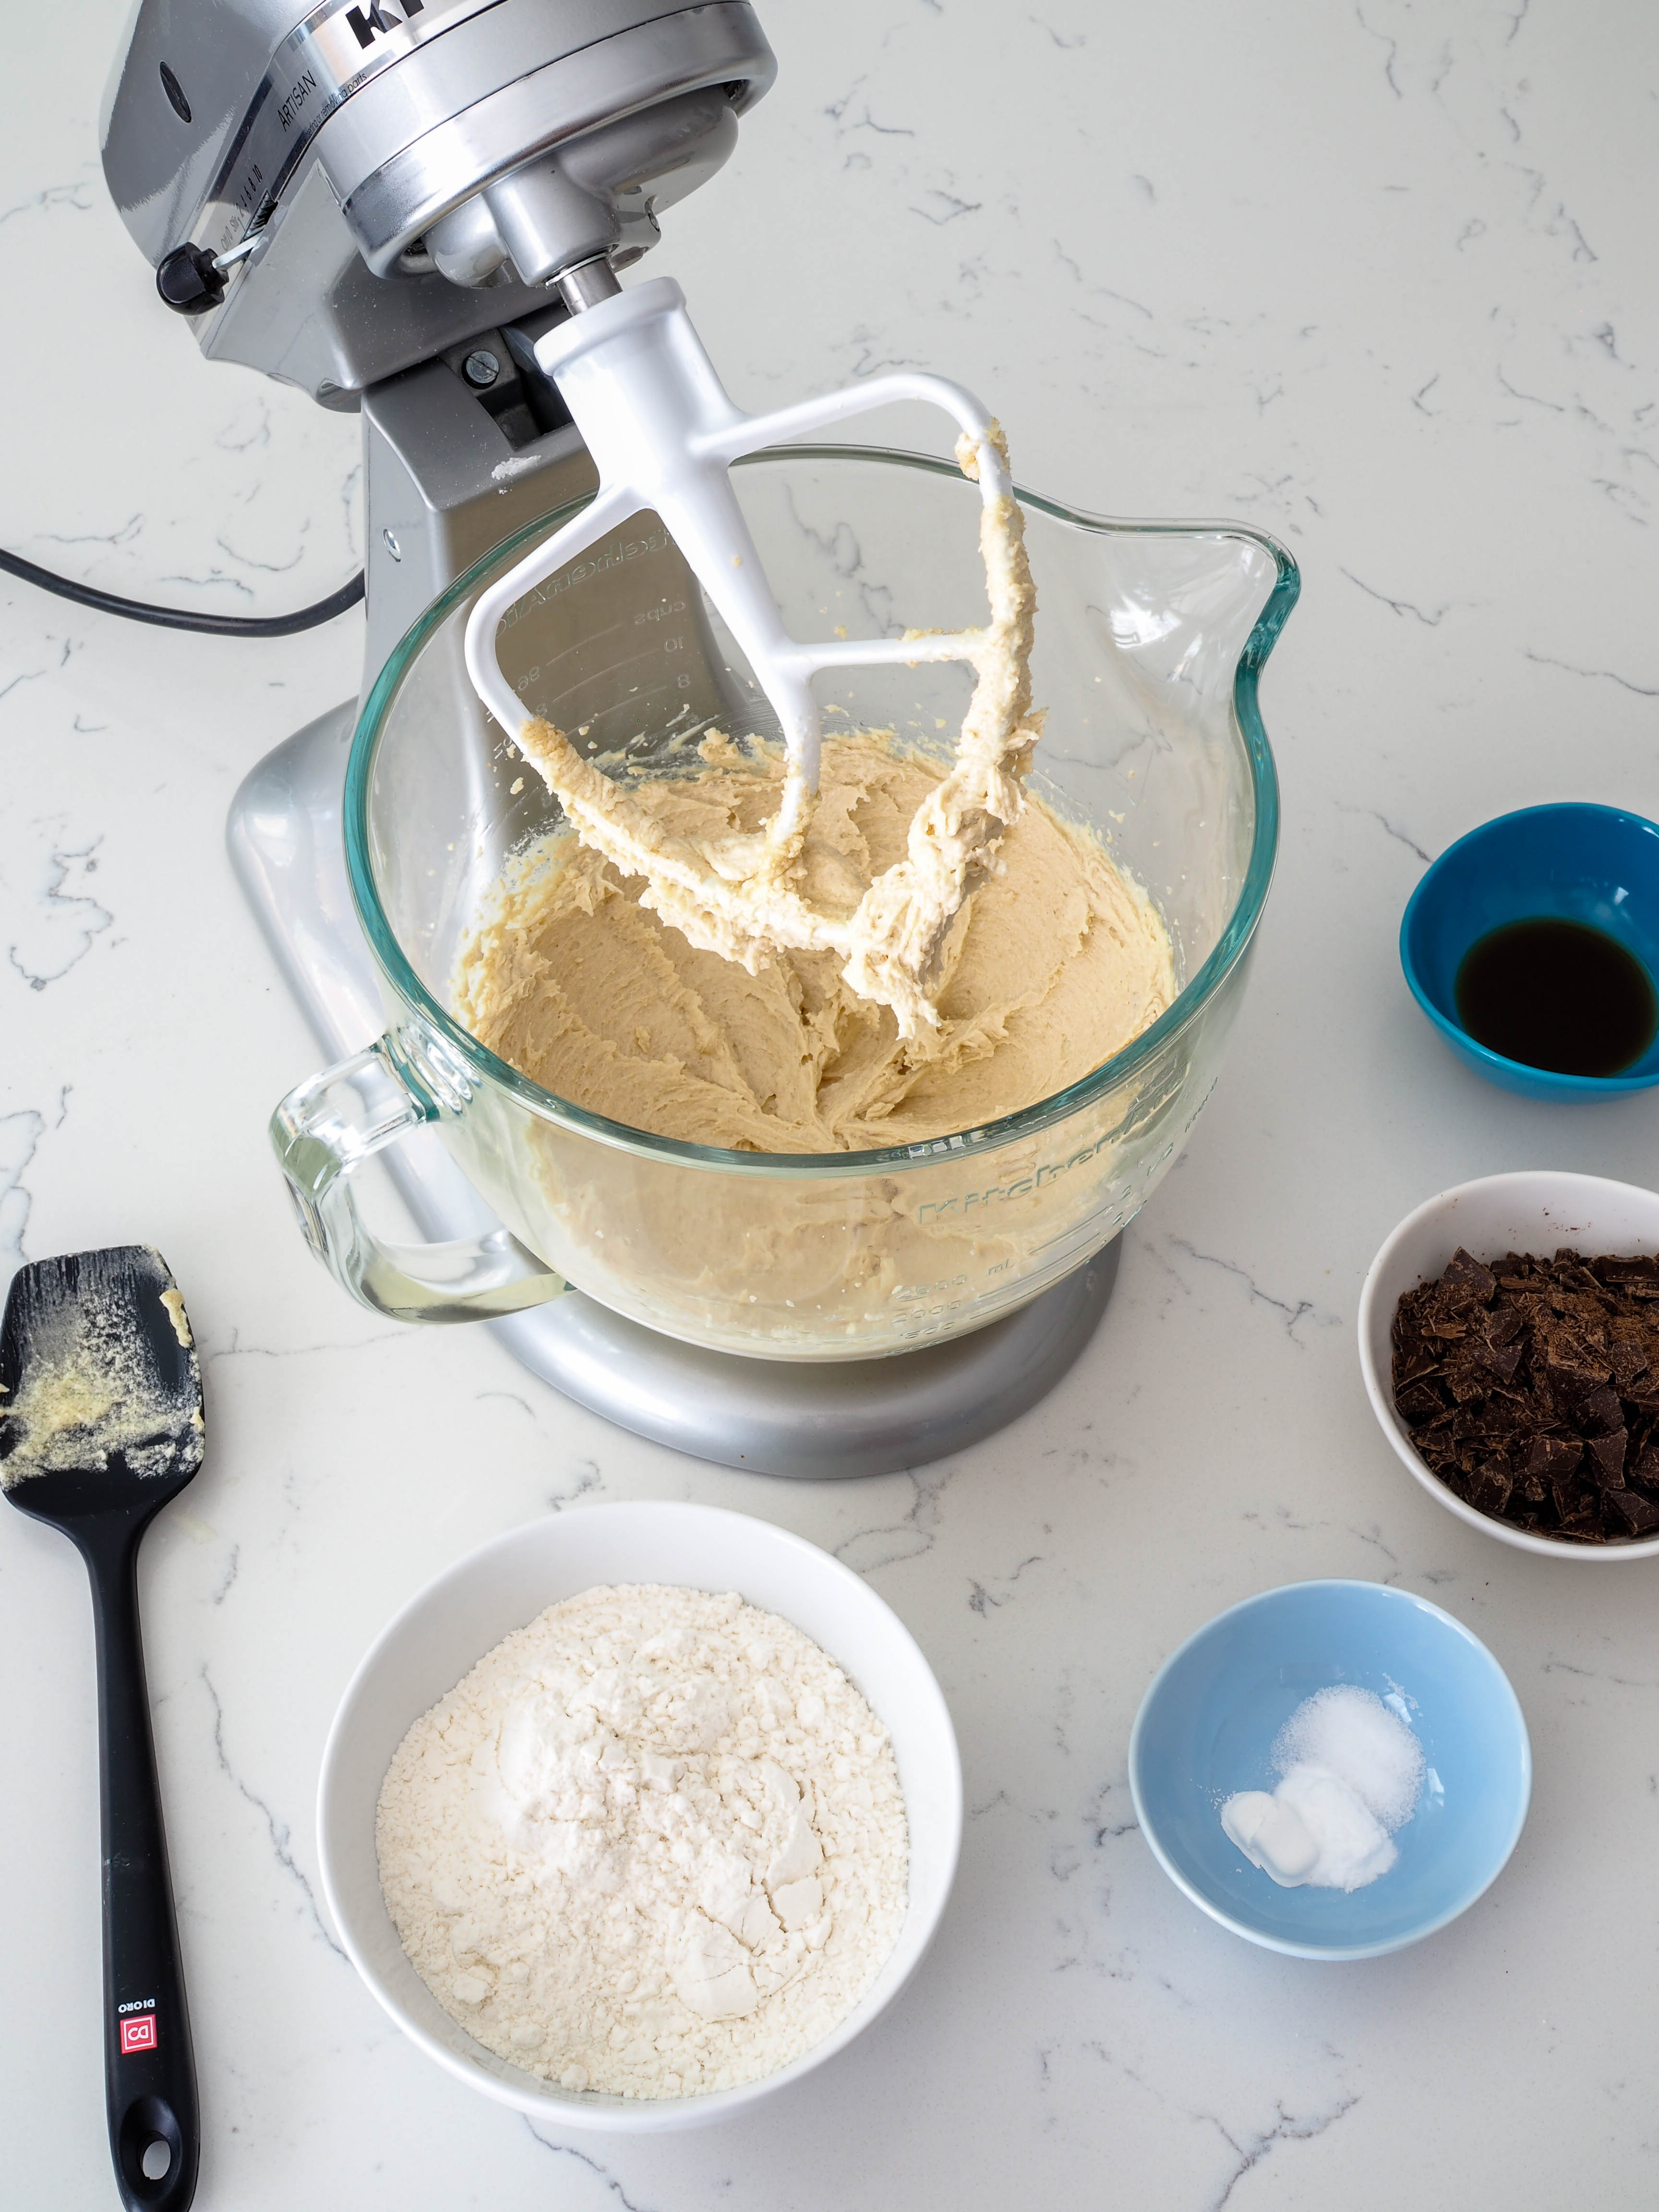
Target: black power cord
[[109, 602]]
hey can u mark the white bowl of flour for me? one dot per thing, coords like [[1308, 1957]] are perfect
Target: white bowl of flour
[[468, 1932]]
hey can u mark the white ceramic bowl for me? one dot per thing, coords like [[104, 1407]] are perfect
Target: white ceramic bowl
[[449, 1625], [1534, 1211]]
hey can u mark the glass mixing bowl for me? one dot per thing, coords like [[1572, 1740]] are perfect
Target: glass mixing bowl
[[1150, 641]]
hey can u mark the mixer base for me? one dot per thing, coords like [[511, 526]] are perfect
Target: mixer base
[[769, 1417]]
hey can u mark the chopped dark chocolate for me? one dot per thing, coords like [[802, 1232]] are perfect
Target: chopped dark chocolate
[[1465, 1273], [1571, 1361], [1507, 1411], [1644, 1268], [1638, 1516], [1602, 1410], [1416, 1402], [1553, 1456], [1465, 1378], [1628, 1353], [1531, 1389], [1490, 1488], [1502, 1359], [1572, 1498], [1608, 1459], [1420, 1359]]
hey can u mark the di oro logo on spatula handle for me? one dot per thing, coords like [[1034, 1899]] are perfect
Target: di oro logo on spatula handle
[[100, 1426]]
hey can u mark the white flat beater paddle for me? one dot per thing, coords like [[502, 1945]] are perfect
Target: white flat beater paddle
[[663, 432]]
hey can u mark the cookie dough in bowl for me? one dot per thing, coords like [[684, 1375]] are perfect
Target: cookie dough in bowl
[[858, 1193], [1062, 961]]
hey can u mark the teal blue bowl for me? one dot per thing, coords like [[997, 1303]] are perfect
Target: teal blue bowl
[[1595, 865], [1207, 1726]]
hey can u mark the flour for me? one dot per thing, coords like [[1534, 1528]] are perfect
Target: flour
[[653, 1844]]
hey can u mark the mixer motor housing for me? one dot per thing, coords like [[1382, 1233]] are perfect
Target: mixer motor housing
[[372, 199]]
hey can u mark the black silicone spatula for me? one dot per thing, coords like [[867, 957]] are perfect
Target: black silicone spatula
[[101, 1424]]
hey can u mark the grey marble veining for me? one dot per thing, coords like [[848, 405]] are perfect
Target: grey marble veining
[[1377, 279]]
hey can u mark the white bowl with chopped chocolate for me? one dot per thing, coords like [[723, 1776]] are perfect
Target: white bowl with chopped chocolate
[[1508, 1337]]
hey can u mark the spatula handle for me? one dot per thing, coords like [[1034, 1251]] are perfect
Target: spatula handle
[[149, 2074]]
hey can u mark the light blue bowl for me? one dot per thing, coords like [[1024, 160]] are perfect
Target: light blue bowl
[[1595, 865], [1205, 1728]]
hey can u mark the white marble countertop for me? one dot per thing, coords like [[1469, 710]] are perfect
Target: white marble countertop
[[1377, 279]]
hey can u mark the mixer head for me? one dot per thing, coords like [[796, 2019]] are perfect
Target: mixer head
[[342, 196], [335, 194]]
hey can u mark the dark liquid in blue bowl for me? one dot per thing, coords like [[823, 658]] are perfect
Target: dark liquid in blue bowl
[[1558, 996]]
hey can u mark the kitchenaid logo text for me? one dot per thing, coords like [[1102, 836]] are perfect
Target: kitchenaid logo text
[[377, 19], [1050, 1173], [1119, 1195]]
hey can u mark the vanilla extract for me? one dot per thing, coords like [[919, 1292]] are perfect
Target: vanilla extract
[[1558, 995]]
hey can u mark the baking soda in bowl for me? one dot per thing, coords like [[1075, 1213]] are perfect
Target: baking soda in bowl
[[1351, 1773], [653, 1844]]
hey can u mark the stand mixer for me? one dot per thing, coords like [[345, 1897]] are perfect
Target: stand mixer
[[417, 211]]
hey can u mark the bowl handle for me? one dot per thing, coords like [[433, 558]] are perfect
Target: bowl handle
[[322, 1131]]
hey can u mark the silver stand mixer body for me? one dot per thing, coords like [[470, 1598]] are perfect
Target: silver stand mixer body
[[406, 181], [402, 180], [414, 171]]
